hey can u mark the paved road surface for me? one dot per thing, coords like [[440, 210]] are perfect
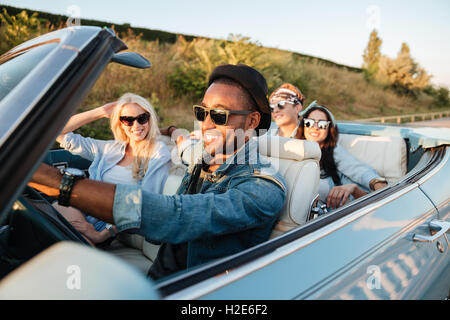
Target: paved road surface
[[441, 123]]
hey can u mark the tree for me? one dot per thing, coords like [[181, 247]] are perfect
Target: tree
[[402, 73], [17, 29], [372, 54]]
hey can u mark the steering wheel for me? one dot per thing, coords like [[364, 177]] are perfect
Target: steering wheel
[[57, 224]]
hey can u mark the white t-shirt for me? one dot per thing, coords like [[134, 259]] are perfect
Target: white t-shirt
[[119, 175]]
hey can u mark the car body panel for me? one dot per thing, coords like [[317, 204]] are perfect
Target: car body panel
[[315, 262]]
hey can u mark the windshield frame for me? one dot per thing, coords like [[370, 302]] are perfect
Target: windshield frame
[[56, 94]]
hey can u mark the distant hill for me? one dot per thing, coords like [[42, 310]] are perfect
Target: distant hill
[[151, 34]]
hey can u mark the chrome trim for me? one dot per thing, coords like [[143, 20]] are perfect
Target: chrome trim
[[435, 169], [311, 207], [442, 226], [68, 47], [205, 287]]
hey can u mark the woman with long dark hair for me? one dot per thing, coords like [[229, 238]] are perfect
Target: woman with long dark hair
[[343, 177]]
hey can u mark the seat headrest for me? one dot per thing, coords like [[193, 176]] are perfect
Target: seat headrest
[[387, 155], [288, 148]]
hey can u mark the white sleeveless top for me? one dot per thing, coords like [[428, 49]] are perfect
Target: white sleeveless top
[[119, 175]]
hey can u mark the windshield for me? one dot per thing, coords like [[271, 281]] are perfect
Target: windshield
[[15, 66]]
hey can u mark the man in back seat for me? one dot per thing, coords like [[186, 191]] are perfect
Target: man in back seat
[[223, 204]]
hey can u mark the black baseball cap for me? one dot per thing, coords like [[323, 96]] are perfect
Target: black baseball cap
[[251, 80]]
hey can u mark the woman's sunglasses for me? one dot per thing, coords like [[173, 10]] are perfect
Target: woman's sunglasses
[[141, 119], [218, 116], [280, 105], [321, 124]]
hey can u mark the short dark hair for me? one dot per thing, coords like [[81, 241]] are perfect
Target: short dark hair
[[248, 102]]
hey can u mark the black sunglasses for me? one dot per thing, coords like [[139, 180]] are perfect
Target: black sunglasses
[[321, 124], [218, 116], [141, 119]]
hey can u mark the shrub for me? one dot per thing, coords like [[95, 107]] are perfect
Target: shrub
[[194, 61], [441, 96], [17, 29]]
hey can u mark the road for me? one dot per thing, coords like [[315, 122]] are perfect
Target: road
[[440, 123]]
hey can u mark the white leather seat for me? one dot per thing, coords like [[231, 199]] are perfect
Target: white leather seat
[[135, 250], [298, 162], [387, 155]]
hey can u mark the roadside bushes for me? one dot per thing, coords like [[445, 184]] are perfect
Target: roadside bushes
[[441, 96], [180, 70], [193, 61], [16, 29]]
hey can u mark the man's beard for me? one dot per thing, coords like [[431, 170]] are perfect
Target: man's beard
[[222, 151]]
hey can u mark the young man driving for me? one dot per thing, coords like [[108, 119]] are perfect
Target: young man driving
[[222, 205]]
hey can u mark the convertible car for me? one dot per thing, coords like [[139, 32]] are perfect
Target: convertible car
[[389, 244]]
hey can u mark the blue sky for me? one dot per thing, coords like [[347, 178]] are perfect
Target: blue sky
[[335, 30]]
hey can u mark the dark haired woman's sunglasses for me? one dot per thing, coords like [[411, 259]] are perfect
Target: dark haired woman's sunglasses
[[280, 105], [218, 116], [141, 119], [321, 124]]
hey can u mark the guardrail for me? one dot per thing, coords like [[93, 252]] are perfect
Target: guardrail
[[411, 117]]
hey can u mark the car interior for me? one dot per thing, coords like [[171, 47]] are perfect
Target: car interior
[[29, 231]]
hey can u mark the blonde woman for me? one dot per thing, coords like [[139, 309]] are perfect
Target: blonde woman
[[135, 156]]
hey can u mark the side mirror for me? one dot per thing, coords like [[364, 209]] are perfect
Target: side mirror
[[131, 59]]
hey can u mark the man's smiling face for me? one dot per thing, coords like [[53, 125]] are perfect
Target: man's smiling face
[[220, 141]]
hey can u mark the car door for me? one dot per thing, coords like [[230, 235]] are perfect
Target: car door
[[363, 251], [409, 264]]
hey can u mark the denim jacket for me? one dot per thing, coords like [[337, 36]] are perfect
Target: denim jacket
[[236, 208]]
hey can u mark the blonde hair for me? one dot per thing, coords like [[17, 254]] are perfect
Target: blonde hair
[[144, 150]]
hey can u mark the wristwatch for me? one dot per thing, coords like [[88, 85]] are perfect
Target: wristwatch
[[110, 229], [69, 176], [374, 181]]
